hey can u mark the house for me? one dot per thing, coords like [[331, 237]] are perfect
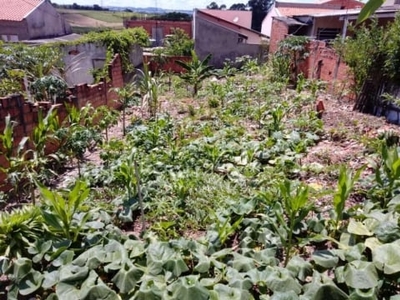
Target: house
[[290, 8], [159, 29], [324, 26], [226, 34], [30, 19]]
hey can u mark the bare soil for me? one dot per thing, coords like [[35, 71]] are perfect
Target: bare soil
[[82, 21]]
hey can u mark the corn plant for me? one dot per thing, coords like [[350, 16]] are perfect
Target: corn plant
[[149, 88], [290, 214], [16, 160], [345, 186], [60, 210]]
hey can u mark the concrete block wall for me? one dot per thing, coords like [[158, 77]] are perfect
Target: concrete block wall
[[25, 114]]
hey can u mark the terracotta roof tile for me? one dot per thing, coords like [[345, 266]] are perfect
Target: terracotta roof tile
[[17, 10], [239, 17]]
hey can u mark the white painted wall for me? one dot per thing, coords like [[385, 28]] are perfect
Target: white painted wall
[[81, 59], [266, 25]]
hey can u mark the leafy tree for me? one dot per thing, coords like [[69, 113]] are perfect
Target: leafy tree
[[213, 5], [238, 6], [172, 16], [260, 9]]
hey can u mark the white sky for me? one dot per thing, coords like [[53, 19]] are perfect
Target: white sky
[[167, 4]]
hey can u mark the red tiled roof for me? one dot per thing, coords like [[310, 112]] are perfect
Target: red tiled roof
[[17, 10], [239, 17], [297, 11]]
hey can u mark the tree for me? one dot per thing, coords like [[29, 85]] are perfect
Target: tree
[[260, 9], [238, 6], [213, 5]]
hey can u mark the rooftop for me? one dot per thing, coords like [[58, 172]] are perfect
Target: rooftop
[[239, 17], [17, 10], [299, 11]]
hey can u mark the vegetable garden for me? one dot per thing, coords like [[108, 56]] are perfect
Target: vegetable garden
[[203, 194]]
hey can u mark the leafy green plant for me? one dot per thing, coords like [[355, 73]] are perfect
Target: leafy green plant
[[105, 117], [387, 175], [178, 43], [345, 186], [149, 88], [19, 229], [65, 212], [294, 50], [78, 133], [196, 71], [296, 208], [125, 95], [49, 88]]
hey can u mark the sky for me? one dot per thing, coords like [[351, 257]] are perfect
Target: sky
[[166, 4]]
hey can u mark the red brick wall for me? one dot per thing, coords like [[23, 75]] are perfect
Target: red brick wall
[[169, 65], [278, 32], [26, 114], [323, 64], [167, 26]]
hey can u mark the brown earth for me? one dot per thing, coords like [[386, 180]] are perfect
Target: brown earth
[[78, 20]]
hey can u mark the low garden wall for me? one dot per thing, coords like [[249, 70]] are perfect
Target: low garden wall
[[25, 114], [165, 63]]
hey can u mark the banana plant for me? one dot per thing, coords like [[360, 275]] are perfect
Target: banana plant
[[196, 71]]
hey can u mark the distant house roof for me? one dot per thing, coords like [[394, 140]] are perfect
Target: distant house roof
[[298, 11], [290, 8], [384, 11], [17, 10], [239, 17]]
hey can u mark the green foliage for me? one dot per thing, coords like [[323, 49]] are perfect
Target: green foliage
[[173, 16], [149, 88], [291, 51], [196, 71], [60, 210], [42, 67], [178, 43], [125, 96], [49, 88], [118, 42], [368, 10], [19, 230], [226, 214], [345, 186]]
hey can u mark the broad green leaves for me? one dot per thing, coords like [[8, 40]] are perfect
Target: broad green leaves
[[368, 10]]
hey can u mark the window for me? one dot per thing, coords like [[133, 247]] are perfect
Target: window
[[242, 39], [324, 34]]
